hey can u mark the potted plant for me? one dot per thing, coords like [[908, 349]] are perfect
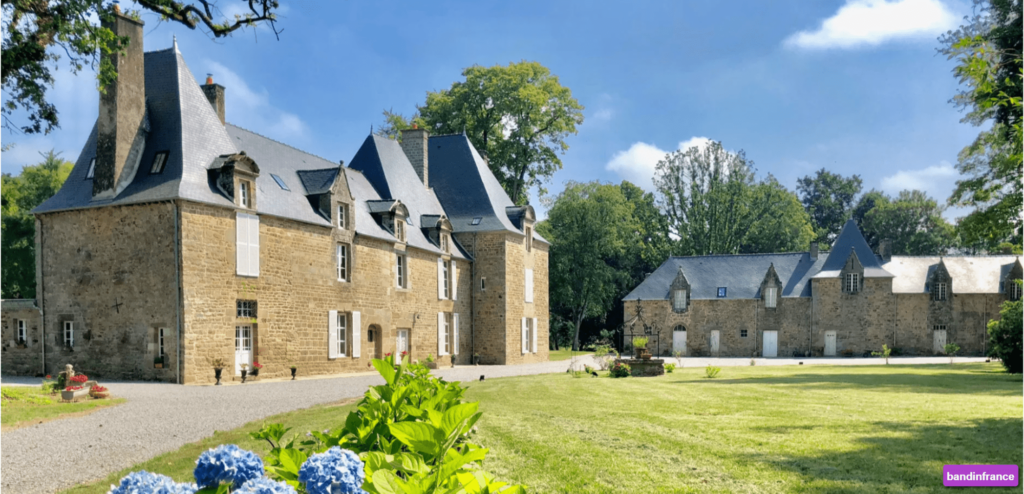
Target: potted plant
[[72, 392], [158, 362], [99, 392], [476, 359], [293, 372], [430, 363], [256, 366], [218, 367], [245, 371], [640, 347]]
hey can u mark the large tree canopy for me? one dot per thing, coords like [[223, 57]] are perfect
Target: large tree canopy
[[828, 198], [517, 115], [988, 52], [37, 33], [912, 221], [780, 222]]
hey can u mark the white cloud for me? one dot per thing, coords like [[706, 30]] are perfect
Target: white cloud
[[937, 180], [873, 22], [637, 164], [603, 113], [252, 109]]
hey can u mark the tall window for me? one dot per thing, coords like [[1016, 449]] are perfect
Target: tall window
[[160, 341], [69, 333], [770, 295], [341, 216], [341, 255], [245, 309], [445, 279], [851, 283], [446, 333], [939, 292], [22, 332], [400, 228], [1014, 290], [342, 333], [679, 299], [243, 194], [400, 271], [528, 330], [444, 243]]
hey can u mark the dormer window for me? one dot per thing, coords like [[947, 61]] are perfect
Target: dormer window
[[771, 297], [342, 216], [851, 283], [444, 243], [244, 195], [679, 300], [1014, 289], [939, 291], [400, 228]]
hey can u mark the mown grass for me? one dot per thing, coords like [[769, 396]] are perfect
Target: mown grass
[[555, 355], [753, 429], [22, 406]]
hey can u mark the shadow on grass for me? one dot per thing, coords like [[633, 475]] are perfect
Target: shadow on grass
[[906, 458], [973, 382]]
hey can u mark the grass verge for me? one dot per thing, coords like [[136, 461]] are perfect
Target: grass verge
[[862, 429], [23, 406]]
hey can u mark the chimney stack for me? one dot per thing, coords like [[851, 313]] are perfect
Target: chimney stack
[[885, 249], [414, 143], [215, 93], [814, 251], [121, 126]]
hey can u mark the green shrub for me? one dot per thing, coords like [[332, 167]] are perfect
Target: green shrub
[[640, 342], [670, 367], [588, 369], [620, 370], [711, 371], [951, 349], [885, 353], [1004, 337]]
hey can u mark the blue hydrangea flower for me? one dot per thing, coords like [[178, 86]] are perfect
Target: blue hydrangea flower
[[143, 482], [264, 485], [227, 463], [336, 471]]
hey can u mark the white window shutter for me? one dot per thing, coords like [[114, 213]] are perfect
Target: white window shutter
[[529, 285], [523, 334], [440, 333], [254, 245], [332, 334], [440, 279], [455, 336], [241, 244], [357, 335], [455, 281], [533, 333]]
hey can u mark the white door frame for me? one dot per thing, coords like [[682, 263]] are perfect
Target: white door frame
[[243, 347], [401, 342], [716, 342], [832, 334], [773, 350], [939, 340], [679, 341]]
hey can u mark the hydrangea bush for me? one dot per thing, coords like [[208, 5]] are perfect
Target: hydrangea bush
[[227, 463], [143, 482], [336, 471]]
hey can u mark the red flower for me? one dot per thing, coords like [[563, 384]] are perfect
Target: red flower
[[49, 376], [387, 354], [79, 378], [98, 389], [404, 353], [72, 388], [257, 365]]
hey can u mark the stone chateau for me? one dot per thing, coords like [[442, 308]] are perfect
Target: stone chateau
[[179, 239], [846, 302]]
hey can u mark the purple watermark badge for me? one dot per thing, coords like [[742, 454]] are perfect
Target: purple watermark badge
[[980, 475]]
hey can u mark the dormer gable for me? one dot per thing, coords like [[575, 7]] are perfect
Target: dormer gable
[[852, 274], [771, 287], [235, 176], [679, 292], [438, 230], [523, 217], [940, 283], [1012, 284], [392, 215]]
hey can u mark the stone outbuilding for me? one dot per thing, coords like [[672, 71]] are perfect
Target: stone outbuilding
[[180, 239], [848, 301]]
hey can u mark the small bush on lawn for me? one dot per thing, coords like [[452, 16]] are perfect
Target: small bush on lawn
[[711, 371], [670, 367], [620, 370], [885, 353], [1004, 337]]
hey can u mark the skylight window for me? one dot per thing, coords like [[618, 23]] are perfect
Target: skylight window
[[476, 221], [280, 182], [92, 169], [721, 292], [159, 160]]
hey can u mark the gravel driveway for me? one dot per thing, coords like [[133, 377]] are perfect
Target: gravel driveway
[[158, 418]]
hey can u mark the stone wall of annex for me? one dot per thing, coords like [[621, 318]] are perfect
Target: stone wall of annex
[[296, 289], [22, 358], [111, 272], [965, 316]]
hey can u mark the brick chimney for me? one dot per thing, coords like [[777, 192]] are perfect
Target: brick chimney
[[215, 93], [814, 251], [122, 126], [414, 143]]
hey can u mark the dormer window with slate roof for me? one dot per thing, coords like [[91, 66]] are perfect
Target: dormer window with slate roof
[[852, 274], [680, 293], [235, 176], [399, 229], [771, 287], [1012, 284], [341, 216], [940, 283]]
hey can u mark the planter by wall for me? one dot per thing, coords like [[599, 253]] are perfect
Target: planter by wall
[[72, 395]]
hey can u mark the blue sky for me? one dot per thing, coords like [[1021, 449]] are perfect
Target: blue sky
[[853, 86]]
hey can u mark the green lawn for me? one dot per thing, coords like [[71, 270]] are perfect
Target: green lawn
[[811, 429], [554, 355], [22, 406]]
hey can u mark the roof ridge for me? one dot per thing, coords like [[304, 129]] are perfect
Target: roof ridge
[[283, 144], [743, 254], [959, 256]]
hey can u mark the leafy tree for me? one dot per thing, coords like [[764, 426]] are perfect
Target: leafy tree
[[828, 198], [912, 221], [705, 193], [1005, 336], [20, 195], [588, 226], [648, 245], [780, 222], [867, 202], [988, 52], [518, 116], [37, 32]]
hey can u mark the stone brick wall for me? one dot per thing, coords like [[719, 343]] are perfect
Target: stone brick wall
[[966, 319], [24, 360], [863, 321], [111, 271], [295, 291]]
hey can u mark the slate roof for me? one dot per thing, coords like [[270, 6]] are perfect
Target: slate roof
[[969, 274], [851, 239], [740, 274]]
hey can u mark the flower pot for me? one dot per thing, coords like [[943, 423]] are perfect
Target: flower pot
[[100, 395], [255, 371], [216, 373], [293, 373], [158, 365], [645, 356], [72, 395], [476, 360], [244, 373]]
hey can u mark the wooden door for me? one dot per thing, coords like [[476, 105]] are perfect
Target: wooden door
[[714, 342], [940, 341], [830, 343], [771, 344], [243, 347], [679, 342]]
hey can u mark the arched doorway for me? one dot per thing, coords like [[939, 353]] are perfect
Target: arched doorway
[[679, 340], [375, 339]]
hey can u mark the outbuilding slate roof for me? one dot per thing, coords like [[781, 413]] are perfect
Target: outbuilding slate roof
[[740, 274], [969, 274]]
